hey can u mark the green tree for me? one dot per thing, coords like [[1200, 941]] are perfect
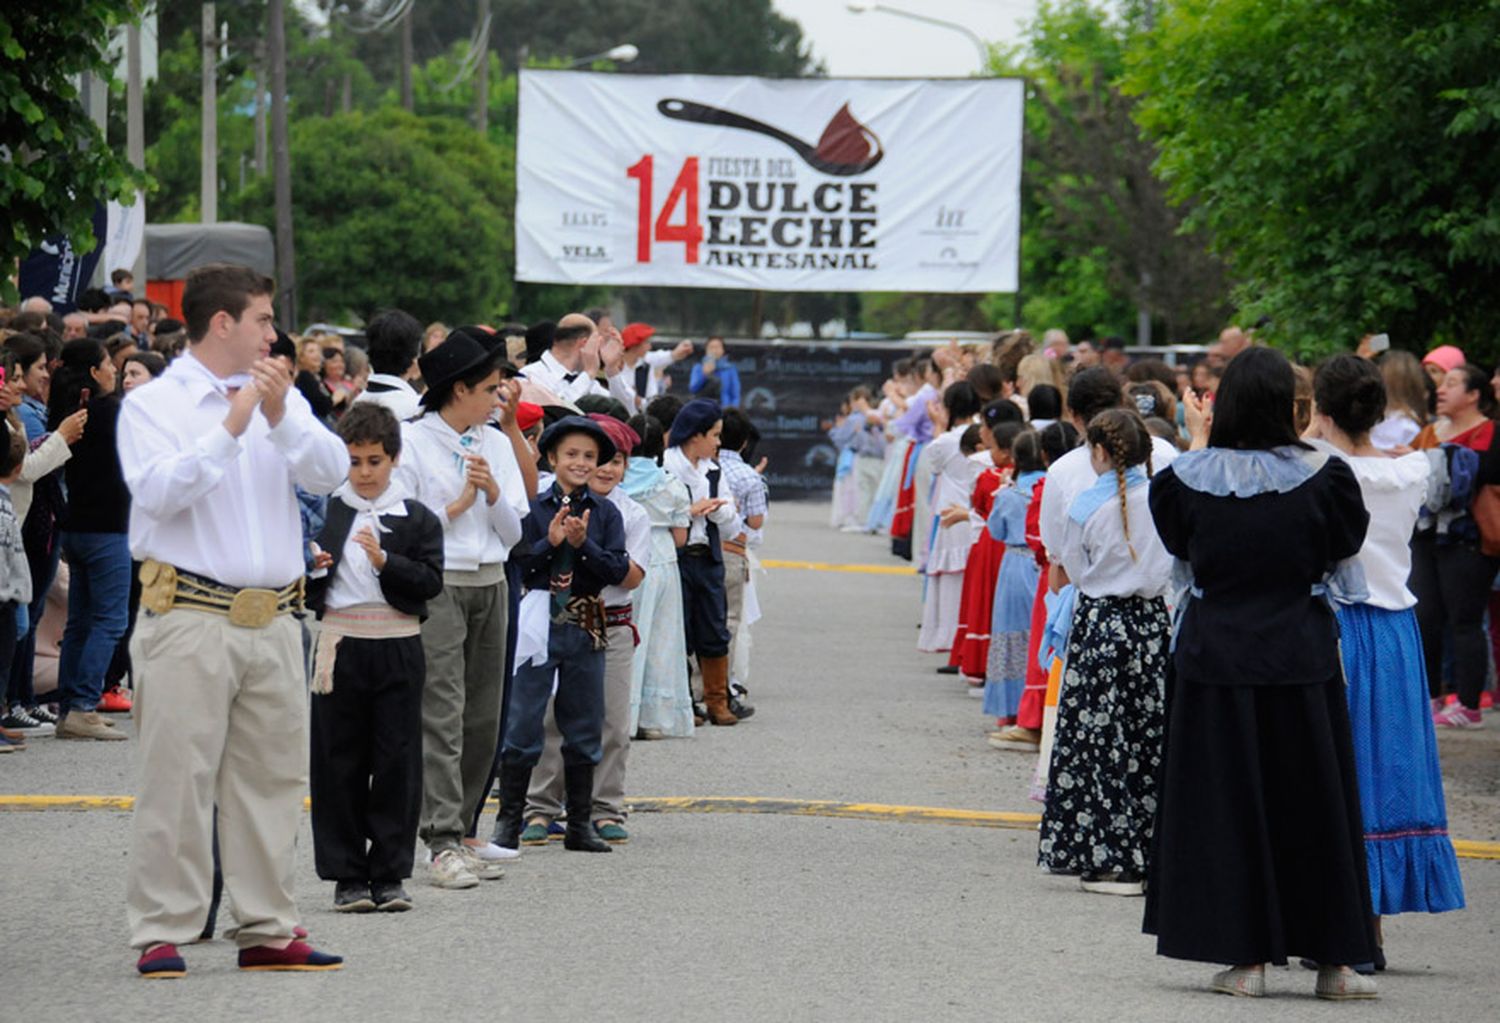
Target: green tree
[[396, 210], [743, 37], [1101, 239], [1343, 156], [54, 162]]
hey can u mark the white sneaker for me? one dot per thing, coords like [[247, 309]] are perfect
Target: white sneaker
[[1241, 981], [1339, 984], [484, 870], [1113, 884], [491, 851], [450, 869]]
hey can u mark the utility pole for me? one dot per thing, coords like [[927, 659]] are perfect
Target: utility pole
[[1143, 311], [260, 108], [407, 101], [135, 134], [208, 179], [482, 77], [286, 260]]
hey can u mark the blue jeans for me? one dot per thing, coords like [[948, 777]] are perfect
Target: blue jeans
[[98, 610], [578, 706]]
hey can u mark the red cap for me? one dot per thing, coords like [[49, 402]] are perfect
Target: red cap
[[527, 415], [636, 334], [622, 436]]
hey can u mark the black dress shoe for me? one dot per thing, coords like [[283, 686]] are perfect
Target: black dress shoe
[[948, 669], [352, 897], [390, 897]]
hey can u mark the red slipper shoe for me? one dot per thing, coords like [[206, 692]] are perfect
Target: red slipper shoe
[[297, 956], [161, 963]]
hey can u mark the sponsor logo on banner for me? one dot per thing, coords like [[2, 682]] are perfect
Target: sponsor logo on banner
[[780, 184]]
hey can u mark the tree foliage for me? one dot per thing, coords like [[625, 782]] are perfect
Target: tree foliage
[[1101, 238], [54, 163], [397, 210], [1343, 156]]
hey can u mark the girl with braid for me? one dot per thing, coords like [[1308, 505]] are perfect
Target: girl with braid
[[1101, 786]]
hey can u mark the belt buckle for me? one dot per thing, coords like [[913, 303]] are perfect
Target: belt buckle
[[158, 586], [253, 608]]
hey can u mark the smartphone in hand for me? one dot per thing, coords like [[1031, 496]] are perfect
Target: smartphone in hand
[[83, 398]]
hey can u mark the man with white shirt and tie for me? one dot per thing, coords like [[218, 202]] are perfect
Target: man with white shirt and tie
[[211, 452], [567, 368]]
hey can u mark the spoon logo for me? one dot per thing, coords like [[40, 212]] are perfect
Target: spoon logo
[[845, 148]]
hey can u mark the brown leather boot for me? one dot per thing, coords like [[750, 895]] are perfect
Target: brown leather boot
[[716, 689]]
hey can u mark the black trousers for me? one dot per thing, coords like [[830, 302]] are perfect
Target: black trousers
[[366, 765], [705, 608], [578, 706], [1452, 586]]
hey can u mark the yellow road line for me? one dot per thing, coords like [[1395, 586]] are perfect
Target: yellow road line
[[828, 566], [1466, 849]]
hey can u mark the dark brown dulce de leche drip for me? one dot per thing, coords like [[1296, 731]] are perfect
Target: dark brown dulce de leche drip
[[846, 142]]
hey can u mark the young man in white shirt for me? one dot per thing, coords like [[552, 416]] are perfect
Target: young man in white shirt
[[468, 475], [394, 338], [568, 367], [211, 451]]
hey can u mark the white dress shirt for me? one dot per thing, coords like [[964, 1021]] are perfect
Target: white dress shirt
[[212, 504], [553, 375], [1070, 476], [694, 476], [399, 396], [637, 542], [1097, 556], [433, 470], [622, 384]]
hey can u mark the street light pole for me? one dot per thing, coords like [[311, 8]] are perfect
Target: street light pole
[[208, 177], [980, 45]]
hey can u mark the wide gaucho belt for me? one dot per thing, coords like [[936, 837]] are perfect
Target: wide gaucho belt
[[164, 587]]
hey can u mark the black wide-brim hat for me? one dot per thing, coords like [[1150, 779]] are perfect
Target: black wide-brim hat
[[576, 424], [457, 355]]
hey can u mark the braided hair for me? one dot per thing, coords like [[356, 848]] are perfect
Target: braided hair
[[1123, 436]]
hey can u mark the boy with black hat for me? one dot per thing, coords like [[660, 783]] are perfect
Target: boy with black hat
[[573, 546], [380, 559], [467, 474], [544, 804]]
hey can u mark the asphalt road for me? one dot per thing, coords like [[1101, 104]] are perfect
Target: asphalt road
[[729, 917]]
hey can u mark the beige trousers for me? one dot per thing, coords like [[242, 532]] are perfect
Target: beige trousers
[[546, 796], [222, 718], [736, 576]]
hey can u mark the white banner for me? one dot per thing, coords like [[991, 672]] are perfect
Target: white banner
[[775, 184]]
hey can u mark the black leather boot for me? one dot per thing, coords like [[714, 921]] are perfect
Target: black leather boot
[[515, 781], [578, 781]]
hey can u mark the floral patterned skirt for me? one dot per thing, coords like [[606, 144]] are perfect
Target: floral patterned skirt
[[1106, 754]]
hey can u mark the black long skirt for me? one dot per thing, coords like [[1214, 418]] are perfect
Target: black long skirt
[[1258, 853]]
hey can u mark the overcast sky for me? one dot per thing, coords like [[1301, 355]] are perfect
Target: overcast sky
[[878, 44]]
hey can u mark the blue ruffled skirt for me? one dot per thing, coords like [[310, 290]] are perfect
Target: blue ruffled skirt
[[1413, 868]]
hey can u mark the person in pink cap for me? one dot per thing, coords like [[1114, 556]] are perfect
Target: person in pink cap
[[1442, 360]]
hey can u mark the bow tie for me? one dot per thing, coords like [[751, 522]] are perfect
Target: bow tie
[[570, 377]]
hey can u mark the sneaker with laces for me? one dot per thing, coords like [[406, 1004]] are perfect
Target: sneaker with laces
[[42, 713], [1456, 715], [449, 869], [17, 719], [485, 870], [116, 700]]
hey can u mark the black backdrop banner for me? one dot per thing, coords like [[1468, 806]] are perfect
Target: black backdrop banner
[[792, 391]]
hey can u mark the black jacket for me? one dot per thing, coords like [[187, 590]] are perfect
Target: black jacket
[[413, 572]]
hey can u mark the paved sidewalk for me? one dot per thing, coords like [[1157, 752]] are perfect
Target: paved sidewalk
[[729, 916]]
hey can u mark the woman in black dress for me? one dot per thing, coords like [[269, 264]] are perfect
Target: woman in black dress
[[1259, 851]]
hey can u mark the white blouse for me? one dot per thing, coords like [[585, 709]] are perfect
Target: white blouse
[[1097, 556], [1393, 489]]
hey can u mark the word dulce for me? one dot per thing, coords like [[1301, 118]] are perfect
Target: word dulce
[[753, 224]]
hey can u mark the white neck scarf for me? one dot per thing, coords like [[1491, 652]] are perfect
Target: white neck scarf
[[689, 472], [390, 501]]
